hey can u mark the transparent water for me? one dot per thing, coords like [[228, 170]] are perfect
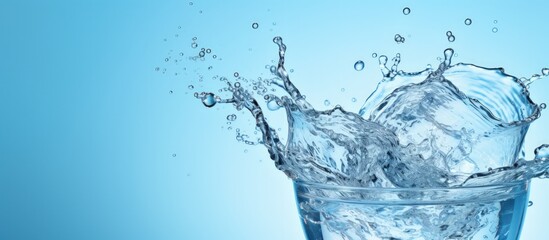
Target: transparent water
[[455, 126]]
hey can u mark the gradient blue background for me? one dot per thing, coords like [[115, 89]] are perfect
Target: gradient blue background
[[88, 127]]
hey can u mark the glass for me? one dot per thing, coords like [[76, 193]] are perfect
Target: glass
[[479, 212]]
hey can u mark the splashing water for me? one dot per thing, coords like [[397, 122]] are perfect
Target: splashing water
[[439, 128], [457, 126]]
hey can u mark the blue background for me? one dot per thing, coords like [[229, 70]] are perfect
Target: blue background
[[88, 127]]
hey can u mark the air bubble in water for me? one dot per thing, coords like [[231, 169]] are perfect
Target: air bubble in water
[[231, 117], [449, 33], [201, 54], [495, 30], [273, 69], [530, 203], [194, 45], [236, 74], [214, 56], [406, 10], [157, 69], [495, 21], [374, 55], [174, 155], [545, 71], [273, 105], [208, 50], [326, 102], [191, 87], [353, 99], [468, 21], [208, 100], [543, 106], [342, 89], [359, 65], [255, 25], [451, 38], [171, 91], [167, 59]]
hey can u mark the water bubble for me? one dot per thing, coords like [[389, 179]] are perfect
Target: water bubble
[[353, 99], [190, 3], [374, 55], [495, 21], [201, 54], [171, 91], [273, 69], [449, 33], [208, 50], [236, 74], [231, 117], [342, 89], [181, 54], [451, 38], [157, 69], [255, 25], [468, 21], [167, 59], [543, 106], [326, 102], [406, 10], [495, 30], [530, 203], [214, 56], [208, 100], [191, 87], [291, 70], [174, 155], [359, 65], [194, 45], [545, 71]]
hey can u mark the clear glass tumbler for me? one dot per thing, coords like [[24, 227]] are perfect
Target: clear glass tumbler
[[479, 212]]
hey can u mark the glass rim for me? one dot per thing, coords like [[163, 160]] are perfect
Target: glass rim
[[411, 189], [411, 196]]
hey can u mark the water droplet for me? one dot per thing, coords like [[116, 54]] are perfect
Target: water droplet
[[406, 10], [353, 99], [495, 21], [245, 150], [273, 69], [191, 87], [236, 74], [174, 155], [359, 65], [468, 21], [171, 91], [231, 117], [530, 203], [208, 100], [255, 25], [342, 89], [495, 30], [208, 50], [181, 54], [374, 55], [194, 45], [273, 105], [167, 59], [542, 152], [543, 106], [214, 56], [399, 39], [326, 102], [451, 38], [449, 33], [545, 71], [201, 54], [291, 70]]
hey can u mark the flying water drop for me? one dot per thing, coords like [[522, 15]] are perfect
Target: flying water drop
[[359, 65], [468, 21], [406, 10]]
